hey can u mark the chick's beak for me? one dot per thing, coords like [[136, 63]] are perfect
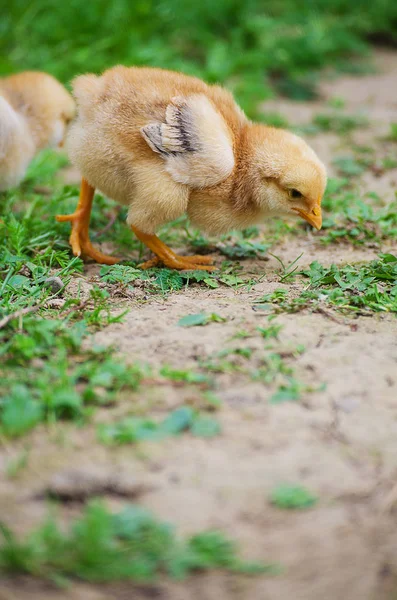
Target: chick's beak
[[314, 217]]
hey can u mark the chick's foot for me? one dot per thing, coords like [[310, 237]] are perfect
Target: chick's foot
[[168, 258], [80, 219]]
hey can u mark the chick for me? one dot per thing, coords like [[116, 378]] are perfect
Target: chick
[[34, 112], [165, 144]]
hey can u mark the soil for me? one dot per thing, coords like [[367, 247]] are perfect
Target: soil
[[340, 442]]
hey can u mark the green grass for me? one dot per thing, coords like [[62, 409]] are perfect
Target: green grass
[[366, 288], [370, 287], [46, 372], [100, 546], [254, 48]]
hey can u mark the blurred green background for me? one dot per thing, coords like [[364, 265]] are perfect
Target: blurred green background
[[254, 47]]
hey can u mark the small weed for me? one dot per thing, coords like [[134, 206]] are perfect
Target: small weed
[[276, 370], [184, 375], [339, 123], [389, 162], [292, 497], [349, 166], [393, 132], [17, 464], [121, 274], [242, 334], [132, 544], [280, 301], [136, 429], [228, 360], [270, 332], [337, 103], [211, 401], [289, 270], [287, 392]]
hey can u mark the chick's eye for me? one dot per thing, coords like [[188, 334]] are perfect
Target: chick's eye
[[295, 193]]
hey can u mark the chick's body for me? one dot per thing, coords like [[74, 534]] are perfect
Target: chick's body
[[34, 111], [112, 111], [164, 143]]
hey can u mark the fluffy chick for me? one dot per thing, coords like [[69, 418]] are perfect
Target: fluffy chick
[[34, 112], [165, 144]]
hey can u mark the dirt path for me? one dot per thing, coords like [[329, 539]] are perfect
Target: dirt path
[[340, 442]]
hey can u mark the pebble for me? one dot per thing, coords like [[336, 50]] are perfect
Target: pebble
[[54, 283]]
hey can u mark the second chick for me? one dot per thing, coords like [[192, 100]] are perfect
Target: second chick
[[35, 110]]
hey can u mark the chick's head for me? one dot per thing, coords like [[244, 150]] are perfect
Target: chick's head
[[291, 179], [45, 103]]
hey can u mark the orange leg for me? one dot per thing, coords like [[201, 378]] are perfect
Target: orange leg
[[80, 219], [168, 258]]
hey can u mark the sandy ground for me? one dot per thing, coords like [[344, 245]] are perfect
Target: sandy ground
[[341, 443]]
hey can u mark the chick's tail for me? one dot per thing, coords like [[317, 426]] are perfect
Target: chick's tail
[[87, 90]]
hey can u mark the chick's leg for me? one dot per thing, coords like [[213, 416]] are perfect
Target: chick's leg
[[80, 219], [168, 258]]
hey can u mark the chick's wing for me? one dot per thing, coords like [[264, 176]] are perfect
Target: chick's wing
[[194, 141]]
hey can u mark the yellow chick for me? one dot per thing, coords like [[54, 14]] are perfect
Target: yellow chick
[[165, 144], [34, 112]]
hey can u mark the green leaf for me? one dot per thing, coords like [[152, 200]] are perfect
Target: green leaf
[[212, 400], [270, 332], [200, 319], [18, 281], [20, 412], [287, 393], [178, 420], [211, 282], [292, 497], [212, 548], [193, 320], [231, 280], [215, 318], [67, 402], [129, 431], [205, 426]]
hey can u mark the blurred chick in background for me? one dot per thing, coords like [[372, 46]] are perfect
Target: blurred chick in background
[[165, 144], [34, 112]]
